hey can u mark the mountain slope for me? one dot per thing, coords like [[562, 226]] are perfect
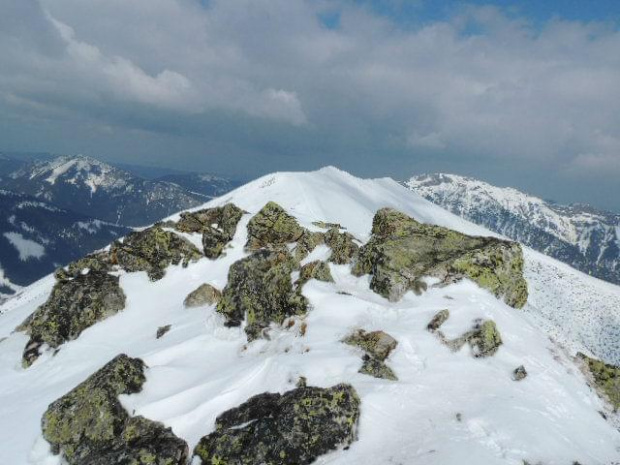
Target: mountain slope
[[585, 238], [88, 186], [446, 408], [36, 237], [208, 185]]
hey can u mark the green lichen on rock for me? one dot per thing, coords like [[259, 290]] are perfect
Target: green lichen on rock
[[439, 319], [343, 246], [401, 251], [217, 226], [205, 294], [377, 344], [89, 426], [377, 369], [153, 250], [307, 243], [296, 427], [325, 225], [260, 290], [606, 378], [272, 227], [99, 261], [73, 306], [484, 339], [315, 270]]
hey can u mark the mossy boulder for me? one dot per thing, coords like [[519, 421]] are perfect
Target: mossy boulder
[[99, 262], [153, 250], [377, 369], [217, 226], [203, 295], [73, 306], [260, 290], [315, 270], [272, 227], [307, 243], [401, 251], [296, 427], [606, 378], [484, 339], [89, 426], [343, 246], [377, 346]]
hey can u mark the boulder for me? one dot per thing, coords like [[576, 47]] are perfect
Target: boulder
[[484, 339], [377, 369], [377, 344], [296, 427], [401, 251], [519, 373], [260, 289], [307, 243], [204, 295], [605, 377], [217, 226], [162, 330], [315, 270], [99, 261], [153, 250], [272, 227], [89, 426], [73, 306], [439, 319], [343, 246]]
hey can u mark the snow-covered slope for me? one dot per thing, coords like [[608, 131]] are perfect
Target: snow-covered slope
[[586, 238], [447, 408], [86, 185]]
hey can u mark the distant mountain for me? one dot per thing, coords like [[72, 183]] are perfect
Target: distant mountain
[[200, 183], [91, 187], [580, 235], [8, 164], [36, 237]]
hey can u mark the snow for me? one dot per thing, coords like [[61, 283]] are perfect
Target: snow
[[27, 248], [201, 368]]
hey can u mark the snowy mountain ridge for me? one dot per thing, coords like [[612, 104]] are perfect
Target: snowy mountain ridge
[[582, 236], [446, 407]]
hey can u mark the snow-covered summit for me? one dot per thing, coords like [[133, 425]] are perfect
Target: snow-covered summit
[[446, 407], [580, 235]]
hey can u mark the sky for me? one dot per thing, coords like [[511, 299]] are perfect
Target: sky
[[523, 94]]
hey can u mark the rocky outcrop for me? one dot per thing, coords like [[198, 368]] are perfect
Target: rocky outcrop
[[153, 250], [343, 246], [272, 227], [315, 270], [99, 262], [307, 243], [605, 377], [73, 306], [260, 290], [203, 295], [217, 226], [439, 319], [402, 251], [296, 427], [89, 426], [378, 345]]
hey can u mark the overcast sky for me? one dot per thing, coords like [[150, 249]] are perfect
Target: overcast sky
[[527, 96]]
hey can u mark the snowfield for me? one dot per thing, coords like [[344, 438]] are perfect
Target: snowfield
[[447, 408]]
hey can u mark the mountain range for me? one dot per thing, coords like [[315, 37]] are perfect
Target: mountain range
[[369, 326], [586, 238]]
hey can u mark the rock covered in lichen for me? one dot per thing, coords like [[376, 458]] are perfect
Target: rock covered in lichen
[[217, 226], [296, 427], [439, 319], [89, 426], [99, 261], [315, 270], [484, 339], [260, 290], [205, 294], [377, 346], [401, 251], [73, 306], [606, 378], [153, 250], [271, 227], [377, 369], [307, 243], [519, 373], [343, 246]]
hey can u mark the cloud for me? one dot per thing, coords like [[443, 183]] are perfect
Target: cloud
[[267, 77]]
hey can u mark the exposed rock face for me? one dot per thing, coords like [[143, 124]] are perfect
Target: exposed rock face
[[296, 427], [606, 378], [307, 243], [217, 226], [378, 345], [260, 288], [343, 246], [153, 250], [89, 426], [99, 262], [272, 227], [315, 270], [484, 339], [74, 305], [205, 294], [402, 251], [439, 319]]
